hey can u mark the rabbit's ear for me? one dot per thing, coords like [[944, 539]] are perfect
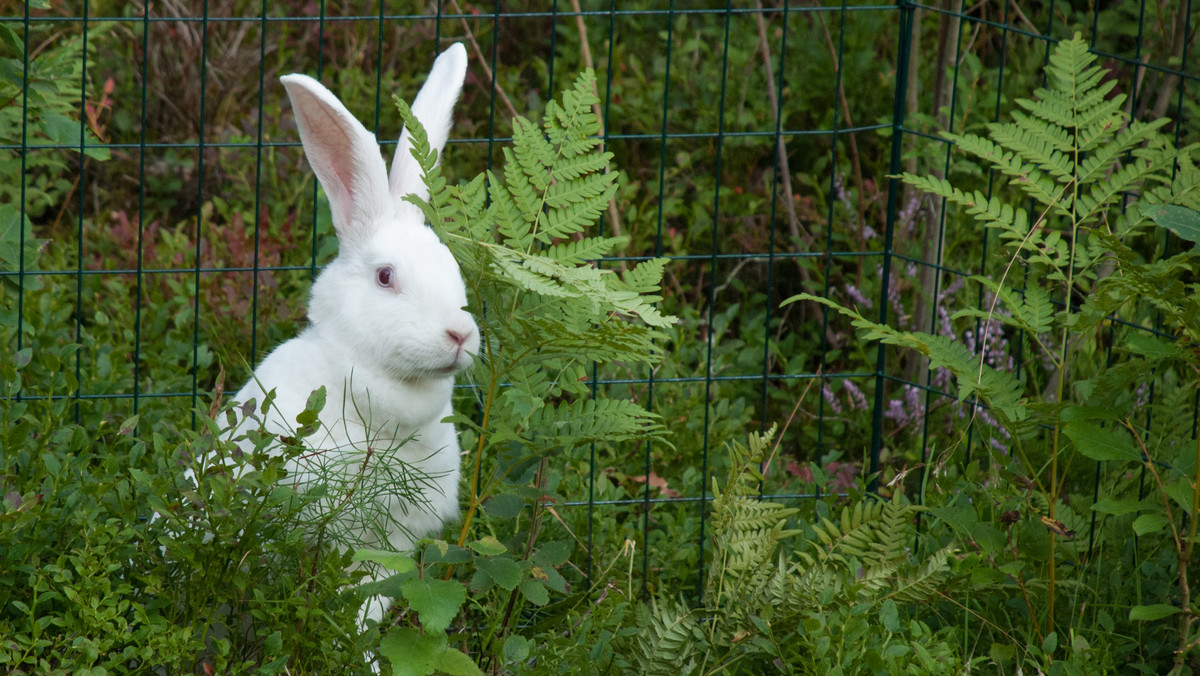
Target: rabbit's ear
[[344, 156], [434, 107]]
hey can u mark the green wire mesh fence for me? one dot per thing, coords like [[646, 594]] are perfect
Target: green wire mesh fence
[[156, 209]]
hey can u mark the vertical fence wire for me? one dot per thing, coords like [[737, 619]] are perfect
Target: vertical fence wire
[[658, 251], [252, 358], [24, 151], [899, 98], [200, 231], [712, 300], [78, 357]]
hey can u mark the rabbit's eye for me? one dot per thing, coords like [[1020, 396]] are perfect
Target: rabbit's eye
[[385, 277]]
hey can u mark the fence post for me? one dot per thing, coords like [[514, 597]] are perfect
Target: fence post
[[902, 53]]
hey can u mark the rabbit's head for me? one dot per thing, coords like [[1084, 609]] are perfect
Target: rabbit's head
[[392, 301]]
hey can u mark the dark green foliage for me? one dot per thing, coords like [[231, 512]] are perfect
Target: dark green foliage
[[1075, 264], [50, 115], [818, 599], [113, 563], [217, 217]]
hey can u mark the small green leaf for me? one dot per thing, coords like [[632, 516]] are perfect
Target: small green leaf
[[447, 553], [457, 663], [1119, 507], [488, 546], [1011, 567], [1099, 443], [503, 571], [129, 426], [1050, 643], [1152, 348], [516, 648], [412, 653], [316, 400], [52, 463], [504, 505], [1149, 523], [395, 561], [10, 40], [535, 592], [274, 644], [1180, 490], [553, 553], [1152, 612], [889, 616], [436, 601], [1182, 221]]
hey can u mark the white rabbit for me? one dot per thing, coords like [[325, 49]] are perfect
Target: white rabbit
[[387, 331]]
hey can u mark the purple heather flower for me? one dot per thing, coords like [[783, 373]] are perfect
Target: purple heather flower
[[830, 399], [858, 400], [857, 296]]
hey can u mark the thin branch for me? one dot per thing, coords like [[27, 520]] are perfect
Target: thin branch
[[483, 62], [789, 202]]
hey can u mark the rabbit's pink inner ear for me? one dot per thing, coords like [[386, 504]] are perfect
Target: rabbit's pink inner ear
[[329, 160], [344, 156]]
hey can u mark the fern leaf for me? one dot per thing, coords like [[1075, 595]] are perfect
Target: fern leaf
[[575, 252], [991, 212], [923, 583], [577, 423], [1104, 193], [1099, 161], [1031, 178], [1001, 390], [534, 155], [1040, 149], [515, 268], [1031, 312], [668, 639]]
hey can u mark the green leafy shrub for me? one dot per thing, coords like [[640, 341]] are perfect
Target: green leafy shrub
[[1078, 267], [547, 314], [114, 563], [827, 597]]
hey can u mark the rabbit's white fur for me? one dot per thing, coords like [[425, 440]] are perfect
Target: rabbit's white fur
[[387, 354]]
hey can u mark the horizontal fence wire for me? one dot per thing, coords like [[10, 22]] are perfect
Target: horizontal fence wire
[[199, 235]]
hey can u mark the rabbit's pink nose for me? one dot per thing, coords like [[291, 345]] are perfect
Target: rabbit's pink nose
[[456, 336]]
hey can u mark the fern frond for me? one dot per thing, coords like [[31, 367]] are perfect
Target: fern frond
[[1104, 193], [523, 271], [1032, 179], [1070, 66], [1098, 162], [992, 212], [668, 639], [1038, 145], [574, 216], [533, 155], [923, 584], [1032, 311], [523, 185], [577, 423], [1001, 390]]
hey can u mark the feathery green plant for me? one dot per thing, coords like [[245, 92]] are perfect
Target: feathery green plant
[[810, 599], [1092, 180], [548, 314], [45, 112], [548, 311]]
